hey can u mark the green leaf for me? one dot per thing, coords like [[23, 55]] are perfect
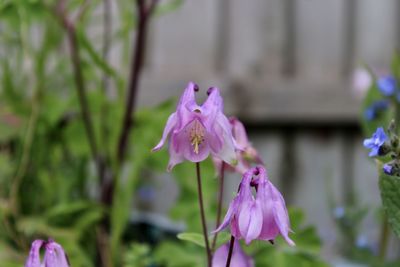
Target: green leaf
[[168, 6], [390, 194], [198, 239], [195, 238], [395, 65]]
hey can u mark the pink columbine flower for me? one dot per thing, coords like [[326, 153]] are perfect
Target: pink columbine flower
[[239, 258], [262, 216], [196, 131], [246, 154], [54, 255]]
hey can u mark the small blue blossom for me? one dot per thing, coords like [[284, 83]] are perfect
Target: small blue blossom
[[373, 111], [362, 241], [370, 113], [375, 142], [339, 212], [388, 169], [387, 85]]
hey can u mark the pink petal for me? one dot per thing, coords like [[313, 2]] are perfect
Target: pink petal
[[184, 108], [55, 256], [250, 220], [174, 158], [34, 255], [239, 132], [171, 123], [280, 214], [223, 129], [239, 258], [181, 141], [232, 210], [214, 101], [269, 229]]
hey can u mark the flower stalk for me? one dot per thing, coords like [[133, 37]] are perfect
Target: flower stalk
[[231, 244], [202, 214], [220, 202]]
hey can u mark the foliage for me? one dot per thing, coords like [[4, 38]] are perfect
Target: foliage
[[390, 192], [388, 184], [305, 253]]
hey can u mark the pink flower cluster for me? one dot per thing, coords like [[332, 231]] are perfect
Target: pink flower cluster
[[194, 132]]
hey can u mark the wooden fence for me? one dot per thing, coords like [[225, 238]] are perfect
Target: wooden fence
[[284, 67]]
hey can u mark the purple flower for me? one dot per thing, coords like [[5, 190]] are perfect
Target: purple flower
[[245, 153], [375, 142], [262, 216], [196, 131], [388, 169], [239, 258], [387, 85], [54, 255]]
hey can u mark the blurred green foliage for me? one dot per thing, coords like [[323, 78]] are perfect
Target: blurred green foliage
[[388, 185], [49, 185], [305, 253]]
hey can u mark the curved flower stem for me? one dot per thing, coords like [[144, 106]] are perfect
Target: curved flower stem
[[220, 201], [228, 260], [384, 239], [203, 217]]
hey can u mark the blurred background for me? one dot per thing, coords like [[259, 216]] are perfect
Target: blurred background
[[285, 68]]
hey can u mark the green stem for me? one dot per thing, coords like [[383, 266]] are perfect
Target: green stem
[[203, 217], [384, 239], [220, 201]]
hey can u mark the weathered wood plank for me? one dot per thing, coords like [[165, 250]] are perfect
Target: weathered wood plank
[[319, 39], [292, 101], [376, 31], [183, 41], [256, 37]]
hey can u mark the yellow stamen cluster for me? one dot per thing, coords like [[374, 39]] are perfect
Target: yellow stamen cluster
[[196, 135]]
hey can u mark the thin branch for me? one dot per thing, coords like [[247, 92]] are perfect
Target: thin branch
[[107, 28], [144, 13], [80, 85]]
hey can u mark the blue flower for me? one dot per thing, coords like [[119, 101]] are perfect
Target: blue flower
[[388, 169], [375, 142], [387, 85], [375, 109]]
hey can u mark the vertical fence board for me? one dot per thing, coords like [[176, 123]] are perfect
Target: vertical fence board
[[319, 39], [319, 164], [256, 37], [376, 31], [184, 40]]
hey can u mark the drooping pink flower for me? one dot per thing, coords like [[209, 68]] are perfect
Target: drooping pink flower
[[54, 255], [246, 154], [239, 258], [263, 216], [196, 131]]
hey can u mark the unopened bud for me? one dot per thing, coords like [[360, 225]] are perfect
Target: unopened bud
[[384, 149], [392, 126]]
